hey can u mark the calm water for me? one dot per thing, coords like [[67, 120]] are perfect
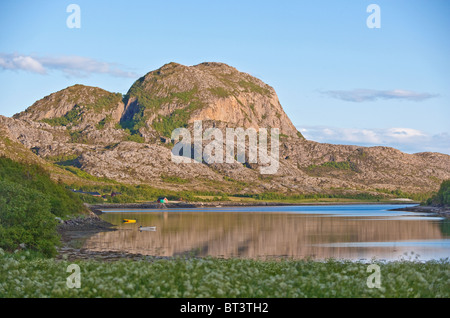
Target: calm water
[[345, 232]]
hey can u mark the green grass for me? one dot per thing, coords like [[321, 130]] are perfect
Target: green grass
[[220, 92], [325, 197], [174, 179], [341, 165], [73, 117], [26, 276], [84, 175], [139, 193], [254, 88]]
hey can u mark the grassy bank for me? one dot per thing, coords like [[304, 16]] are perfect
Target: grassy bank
[[146, 193], [23, 275]]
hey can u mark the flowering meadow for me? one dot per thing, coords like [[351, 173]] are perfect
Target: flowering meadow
[[25, 275]]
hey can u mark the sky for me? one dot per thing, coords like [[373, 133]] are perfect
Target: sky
[[338, 80]]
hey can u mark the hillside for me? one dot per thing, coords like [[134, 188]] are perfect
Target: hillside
[[86, 133]]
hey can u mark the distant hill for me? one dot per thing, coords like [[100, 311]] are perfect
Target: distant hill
[[87, 132]]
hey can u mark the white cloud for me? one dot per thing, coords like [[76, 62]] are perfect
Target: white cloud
[[369, 95], [405, 139], [26, 63], [403, 133], [70, 65]]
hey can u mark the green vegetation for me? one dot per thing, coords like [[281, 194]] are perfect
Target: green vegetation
[[105, 102], [341, 165], [24, 276], [26, 220], [145, 193], [77, 137], [73, 117], [84, 175], [400, 194], [136, 137], [101, 124], [443, 195], [33, 177], [62, 159], [220, 92], [174, 179], [280, 197], [29, 202], [179, 118], [254, 88], [163, 124], [16, 151], [136, 193]]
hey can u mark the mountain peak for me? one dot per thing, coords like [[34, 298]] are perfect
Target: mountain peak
[[175, 96]]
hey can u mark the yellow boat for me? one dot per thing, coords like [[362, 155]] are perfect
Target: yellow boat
[[129, 221]]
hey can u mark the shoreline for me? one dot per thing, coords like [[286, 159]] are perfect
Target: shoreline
[[74, 232], [97, 208], [439, 210]]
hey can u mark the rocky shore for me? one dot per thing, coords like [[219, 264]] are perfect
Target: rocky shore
[[75, 231], [443, 211]]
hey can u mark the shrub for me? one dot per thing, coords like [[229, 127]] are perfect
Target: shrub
[[443, 195], [72, 117], [136, 138], [26, 218], [33, 177]]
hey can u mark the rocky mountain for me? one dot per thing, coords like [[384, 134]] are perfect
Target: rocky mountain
[[176, 95], [127, 138]]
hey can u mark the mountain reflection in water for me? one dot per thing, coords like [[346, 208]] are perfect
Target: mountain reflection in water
[[319, 232]]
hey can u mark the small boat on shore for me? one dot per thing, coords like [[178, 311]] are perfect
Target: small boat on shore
[[129, 221], [147, 228]]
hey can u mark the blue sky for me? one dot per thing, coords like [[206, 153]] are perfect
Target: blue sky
[[338, 80]]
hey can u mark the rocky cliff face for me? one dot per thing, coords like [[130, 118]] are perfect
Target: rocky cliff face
[[125, 139], [176, 95]]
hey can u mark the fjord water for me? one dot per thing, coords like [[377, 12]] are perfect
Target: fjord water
[[352, 232]]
